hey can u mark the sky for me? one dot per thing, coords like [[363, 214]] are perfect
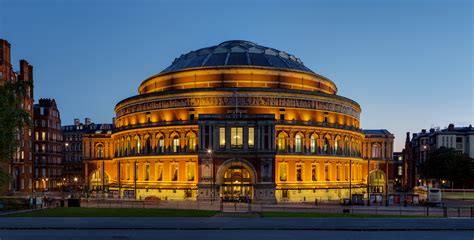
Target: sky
[[408, 63]]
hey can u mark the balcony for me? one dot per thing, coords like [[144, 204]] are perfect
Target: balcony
[[155, 124], [318, 124]]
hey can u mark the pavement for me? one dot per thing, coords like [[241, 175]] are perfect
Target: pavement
[[230, 228], [228, 223]]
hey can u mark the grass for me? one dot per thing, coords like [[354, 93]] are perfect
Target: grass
[[114, 212], [333, 215]]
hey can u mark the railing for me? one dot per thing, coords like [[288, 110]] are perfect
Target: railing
[[318, 124], [304, 207], [155, 124]]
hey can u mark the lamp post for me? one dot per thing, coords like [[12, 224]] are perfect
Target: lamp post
[[75, 185], [209, 152]]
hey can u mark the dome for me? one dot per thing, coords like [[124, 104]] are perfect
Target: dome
[[237, 53]]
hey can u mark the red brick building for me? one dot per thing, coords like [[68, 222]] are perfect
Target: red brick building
[[21, 165], [48, 146]]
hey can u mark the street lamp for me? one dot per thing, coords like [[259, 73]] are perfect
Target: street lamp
[[209, 152]]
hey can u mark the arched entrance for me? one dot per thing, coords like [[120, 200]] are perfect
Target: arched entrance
[[377, 182], [96, 182], [236, 179]]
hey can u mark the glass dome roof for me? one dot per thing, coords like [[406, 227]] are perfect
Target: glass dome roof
[[237, 53]]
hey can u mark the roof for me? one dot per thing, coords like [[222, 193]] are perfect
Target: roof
[[375, 131], [237, 53]]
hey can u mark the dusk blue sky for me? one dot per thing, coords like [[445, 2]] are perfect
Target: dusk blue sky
[[407, 63]]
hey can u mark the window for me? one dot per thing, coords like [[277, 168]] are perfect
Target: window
[[175, 144], [346, 172], [236, 137], [400, 170], [43, 136], [326, 146], [283, 171], [314, 172], [192, 142], [222, 137], [174, 172], [338, 172], [251, 140], [375, 151], [147, 172], [190, 171], [298, 143], [313, 144], [326, 172], [299, 172], [36, 136], [100, 151], [161, 144], [282, 141], [139, 144], [159, 171]]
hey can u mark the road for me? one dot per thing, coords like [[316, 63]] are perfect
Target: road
[[231, 234], [234, 228]]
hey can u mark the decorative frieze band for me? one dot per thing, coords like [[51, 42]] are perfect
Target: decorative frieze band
[[242, 101]]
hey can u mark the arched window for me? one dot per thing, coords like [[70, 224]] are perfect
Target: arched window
[[326, 146], [100, 150], [375, 151], [138, 145], [129, 146], [147, 146], [298, 143], [282, 137], [191, 142], [160, 144], [313, 143], [175, 144], [336, 146]]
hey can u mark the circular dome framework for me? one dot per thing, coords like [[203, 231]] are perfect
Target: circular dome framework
[[237, 53]]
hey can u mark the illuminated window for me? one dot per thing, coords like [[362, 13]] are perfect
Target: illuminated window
[[43, 136], [282, 141], [190, 171], [251, 140], [338, 172], [299, 172], [222, 137], [283, 171], [192, 142], [298, 143], [174, 172], [236, 134], [313, 144], [314, 172], [400, 170], [139, 144], [175, 144], [100, 151], [161, 144], [36, 136]]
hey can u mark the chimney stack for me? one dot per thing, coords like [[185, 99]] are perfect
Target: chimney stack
[[87, 121], [77, 122]]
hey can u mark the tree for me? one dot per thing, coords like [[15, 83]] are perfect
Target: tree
[[12, 120], [447, 163]]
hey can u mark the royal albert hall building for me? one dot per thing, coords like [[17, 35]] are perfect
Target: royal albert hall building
[[238, 121]]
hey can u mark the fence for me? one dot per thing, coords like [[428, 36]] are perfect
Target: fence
[[441, 211]]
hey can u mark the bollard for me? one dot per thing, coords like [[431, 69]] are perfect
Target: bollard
[[459, 212], [472, 212], [445, 211], [427, 210]]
